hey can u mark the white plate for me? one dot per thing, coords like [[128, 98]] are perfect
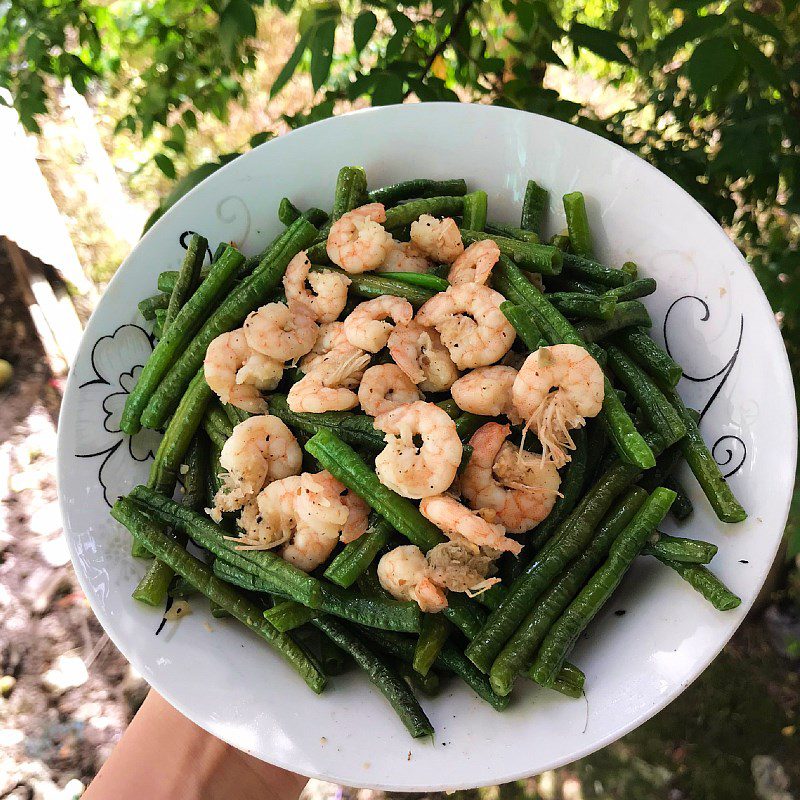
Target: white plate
[[717, 324]]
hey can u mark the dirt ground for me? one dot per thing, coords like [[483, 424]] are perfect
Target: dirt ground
[[67, 695]]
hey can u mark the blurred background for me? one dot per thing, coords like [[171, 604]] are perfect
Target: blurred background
[[111, 110]]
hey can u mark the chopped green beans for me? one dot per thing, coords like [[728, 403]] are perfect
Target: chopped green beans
[[288, 615], [510, 232], [633, 290], [418, 188], [518, 654], [648, 355], [432, 637], [628, 314], [526, 328], [704, 467], [600, 587], [201, 576], [149, 306], [658, 412], [705, 582], [676, 548], [585, 269], [382, 676], [356, 429], [348, 467], [588, 306], [246, 297], [289, 213], [580, 234], [542, 258], [475, 208], [356, 556], [534, 206], [405, 214], [188, 278], [423, 279]]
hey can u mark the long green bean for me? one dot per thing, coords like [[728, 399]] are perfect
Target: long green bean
[[418, 188], [542, 258], [704, 467], [704, 581], [176, 340], [150, 305], [382, 676], [576, 266], [648, 355], [370, 285], [510, 232], [432, 637], [676, 548], [356, 556], [628, 314], [633, 290], [588, 306], [188, 278], [405, 214], [475, 208]]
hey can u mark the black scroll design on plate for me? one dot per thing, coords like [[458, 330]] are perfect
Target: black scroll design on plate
[[138, 447], [730, 448], [183, 239]]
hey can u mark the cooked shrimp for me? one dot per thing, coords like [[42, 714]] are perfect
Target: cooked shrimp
[[520, 488], [312, 395], [328, 294], [405, 257], [554, 391], [283, 332], [368, 325], [471, 324], [261, 531], [475, 264], [226, 357], [261, 449], [384, 387], [418, 470], [405, 574], [459, 522], [357, 241], [419, 352], [325, 504], [460, 566], [439, 239], [332, 354], [487, 391]]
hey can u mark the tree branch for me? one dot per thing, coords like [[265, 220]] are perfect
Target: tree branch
[[455, 27]]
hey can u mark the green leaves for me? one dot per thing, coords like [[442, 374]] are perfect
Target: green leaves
[[284, 76], [363, 28], [600, 42], [712, 62], [694, 28], [236, 22], [322, 52], [164, 163]]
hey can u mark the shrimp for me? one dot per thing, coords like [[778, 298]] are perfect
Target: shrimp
[[260, 371], [226, 356], [260, 450], [460, 566], [475, 264], [332, 353], [328, 295], [283, 332], [521, 490], [262, 528], [419, 352], [418, 470], [471, 324], [405, 574], [459, 522], [438, 239], [311, 394], [357, 241], [384, 387], [555, 390], [405, 257], [487, 391], [368, 327], [325, 505]]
